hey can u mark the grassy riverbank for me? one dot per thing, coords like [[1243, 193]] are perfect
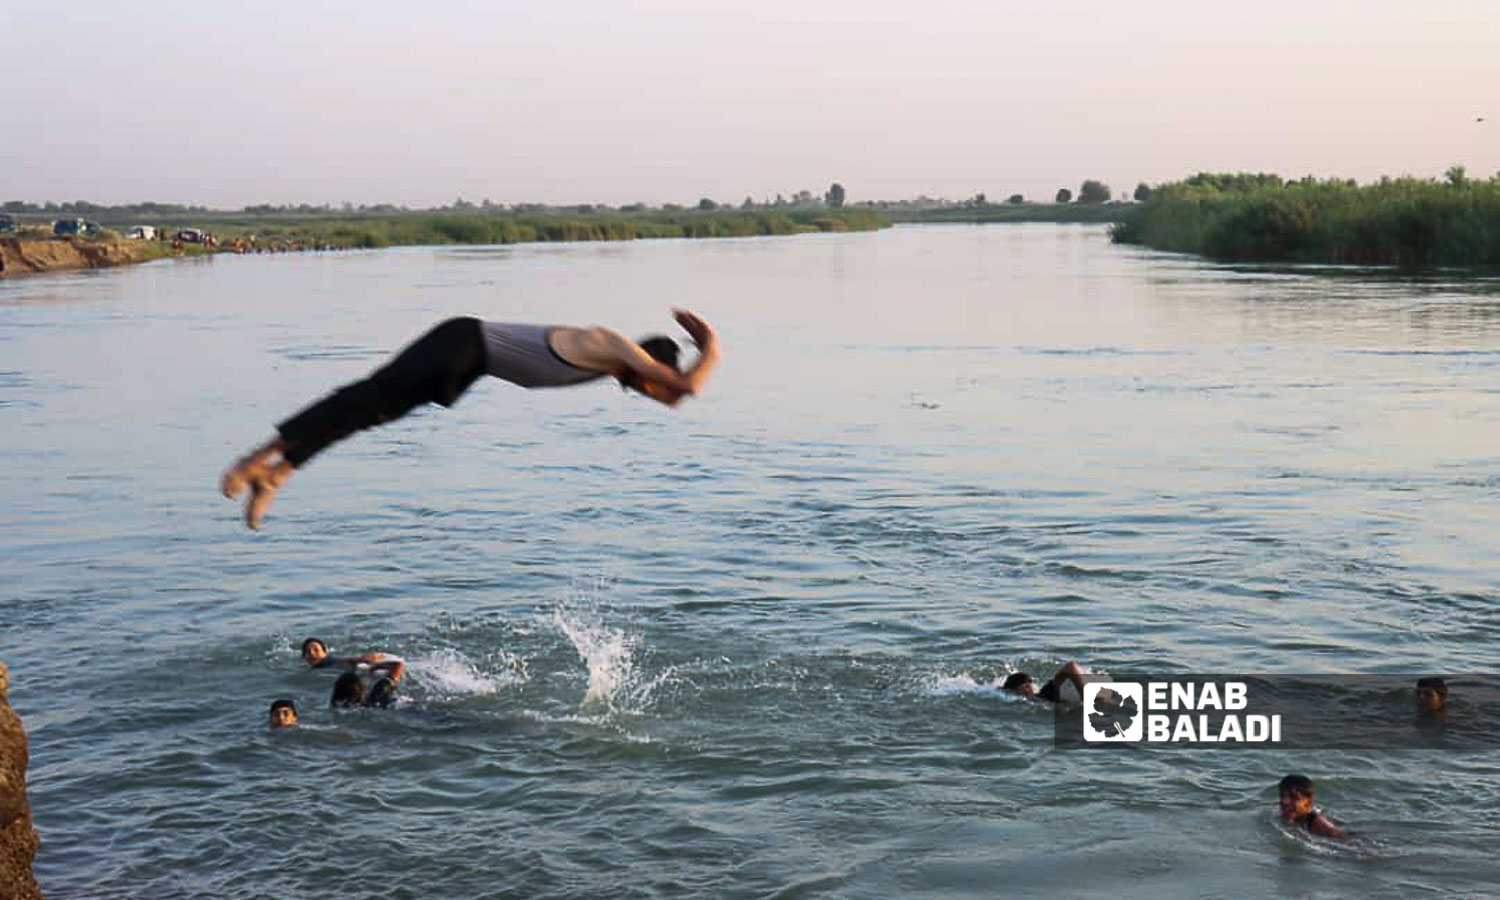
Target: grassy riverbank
[[447, 228], [34, 250], [1406, 222], [399, 228]]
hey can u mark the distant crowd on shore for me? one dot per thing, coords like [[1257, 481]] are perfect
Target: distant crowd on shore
[[252, 244]]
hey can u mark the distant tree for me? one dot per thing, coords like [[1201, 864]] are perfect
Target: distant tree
[[835, 195], [979, 199], [1064, 195], [1015, 198], [707, 205], [671, 207], [802, 198], [14, 206], [780, 201], [749, 202], [1093, 192], [633, 207], [1457, 176], [1142, 192]]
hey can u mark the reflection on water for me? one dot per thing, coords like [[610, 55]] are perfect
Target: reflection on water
[[931, 456]]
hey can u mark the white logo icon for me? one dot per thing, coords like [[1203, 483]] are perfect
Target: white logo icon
[[1119, 716]]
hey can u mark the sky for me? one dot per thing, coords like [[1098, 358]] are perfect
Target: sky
[[588, 101]]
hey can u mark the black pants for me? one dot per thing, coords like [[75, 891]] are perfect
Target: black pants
[[437, 368]]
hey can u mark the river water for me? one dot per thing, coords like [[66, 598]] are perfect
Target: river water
[[745, 648]]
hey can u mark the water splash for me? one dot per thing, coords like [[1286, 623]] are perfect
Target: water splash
[[448, 672], [962, 683], [608, 652]]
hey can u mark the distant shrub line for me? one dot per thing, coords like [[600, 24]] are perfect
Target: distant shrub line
[[1016, 212], [488, 228], [1409, 222]]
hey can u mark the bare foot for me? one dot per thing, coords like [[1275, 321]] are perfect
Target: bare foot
[[264, 482]]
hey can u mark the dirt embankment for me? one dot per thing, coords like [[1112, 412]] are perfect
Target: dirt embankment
[[17, 836], [22, 255]]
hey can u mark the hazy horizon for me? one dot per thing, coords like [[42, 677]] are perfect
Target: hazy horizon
[[667, 102]]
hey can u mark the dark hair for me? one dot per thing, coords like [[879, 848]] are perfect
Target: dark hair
[[283, 703], [347, 691], [1014, 680], [310, 641], [382, 693], [1297, 784], [662, 349], [1436, 683]]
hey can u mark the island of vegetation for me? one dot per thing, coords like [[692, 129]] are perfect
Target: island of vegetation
[[1408, 222]]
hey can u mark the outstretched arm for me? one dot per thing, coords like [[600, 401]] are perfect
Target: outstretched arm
[[377, 662], [393, 667]]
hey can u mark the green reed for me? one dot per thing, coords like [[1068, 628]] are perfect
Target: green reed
[[1407, 222]]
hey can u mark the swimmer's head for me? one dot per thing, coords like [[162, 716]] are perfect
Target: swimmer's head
[[347, 691], [665, 351], [382, 693], [1296, 796], [313, 651], [1021, 683], [283, 713], [662, 349], [1432, 694]]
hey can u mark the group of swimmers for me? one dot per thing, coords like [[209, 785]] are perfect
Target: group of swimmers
[[1296, 793], [1296, 800], [349, 689]]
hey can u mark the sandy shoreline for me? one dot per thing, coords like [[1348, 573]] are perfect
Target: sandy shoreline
[[28, 256]]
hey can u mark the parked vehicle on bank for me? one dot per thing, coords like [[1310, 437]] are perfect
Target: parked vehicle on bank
[[142, 233], [75, 228], [190, 236], [7, 224]]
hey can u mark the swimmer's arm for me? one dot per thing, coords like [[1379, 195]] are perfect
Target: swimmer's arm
[[373, 660], [393, 667], [707, 342], [1323, 827], [1069, 672]]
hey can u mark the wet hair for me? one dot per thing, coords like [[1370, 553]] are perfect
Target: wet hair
[[382, 693], [1297, 784], [283, 703], [1436, 683], [310, 641], [347, 691], [1014, 680]]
